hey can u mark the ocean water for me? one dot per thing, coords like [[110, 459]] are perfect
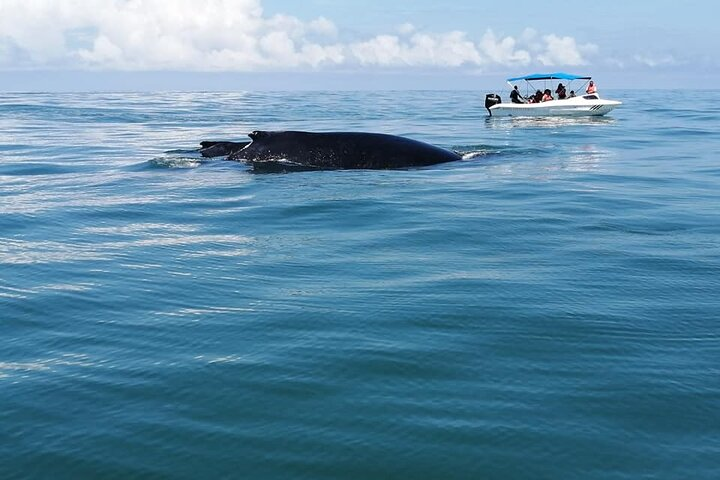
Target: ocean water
[[547, 308]]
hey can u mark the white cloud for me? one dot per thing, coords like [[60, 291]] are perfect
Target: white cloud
[[564, 51], [420, 49], [323, 26], [235, 35], [652, 62], [503, 51], [104, 51], [161, 34], [406, 29], [529, 36]]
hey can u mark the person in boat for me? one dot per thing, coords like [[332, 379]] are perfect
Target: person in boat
[[547, 96], [572, 94], [537, 98], [515, 96], [560, 90], [591, 87]]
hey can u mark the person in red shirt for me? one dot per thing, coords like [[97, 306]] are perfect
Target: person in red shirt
[[591, 88]]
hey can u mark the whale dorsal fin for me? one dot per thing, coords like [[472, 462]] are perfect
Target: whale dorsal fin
[[258, 134]]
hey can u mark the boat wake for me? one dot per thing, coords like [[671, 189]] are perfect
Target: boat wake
[[546, 122]]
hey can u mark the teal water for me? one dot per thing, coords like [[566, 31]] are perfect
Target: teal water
[[547, 308]]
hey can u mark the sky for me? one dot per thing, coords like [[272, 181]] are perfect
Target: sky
[[105, 45]]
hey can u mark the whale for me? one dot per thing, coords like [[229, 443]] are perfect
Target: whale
[[211, 149], [281, 151]]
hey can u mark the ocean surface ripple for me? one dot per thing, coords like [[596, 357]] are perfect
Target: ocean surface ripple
[[545, 308]]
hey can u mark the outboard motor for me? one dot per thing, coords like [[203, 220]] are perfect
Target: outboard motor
[[490, 100]]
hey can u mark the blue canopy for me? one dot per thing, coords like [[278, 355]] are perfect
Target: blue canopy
[[549, 76]]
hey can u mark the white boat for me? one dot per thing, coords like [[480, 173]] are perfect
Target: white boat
[[586, 104]]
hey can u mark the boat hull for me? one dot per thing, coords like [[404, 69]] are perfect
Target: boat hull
[[571, 107]]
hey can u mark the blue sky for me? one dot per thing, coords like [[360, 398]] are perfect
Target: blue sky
[[335, 44]]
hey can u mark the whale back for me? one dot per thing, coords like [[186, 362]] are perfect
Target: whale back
[[270, 150]]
